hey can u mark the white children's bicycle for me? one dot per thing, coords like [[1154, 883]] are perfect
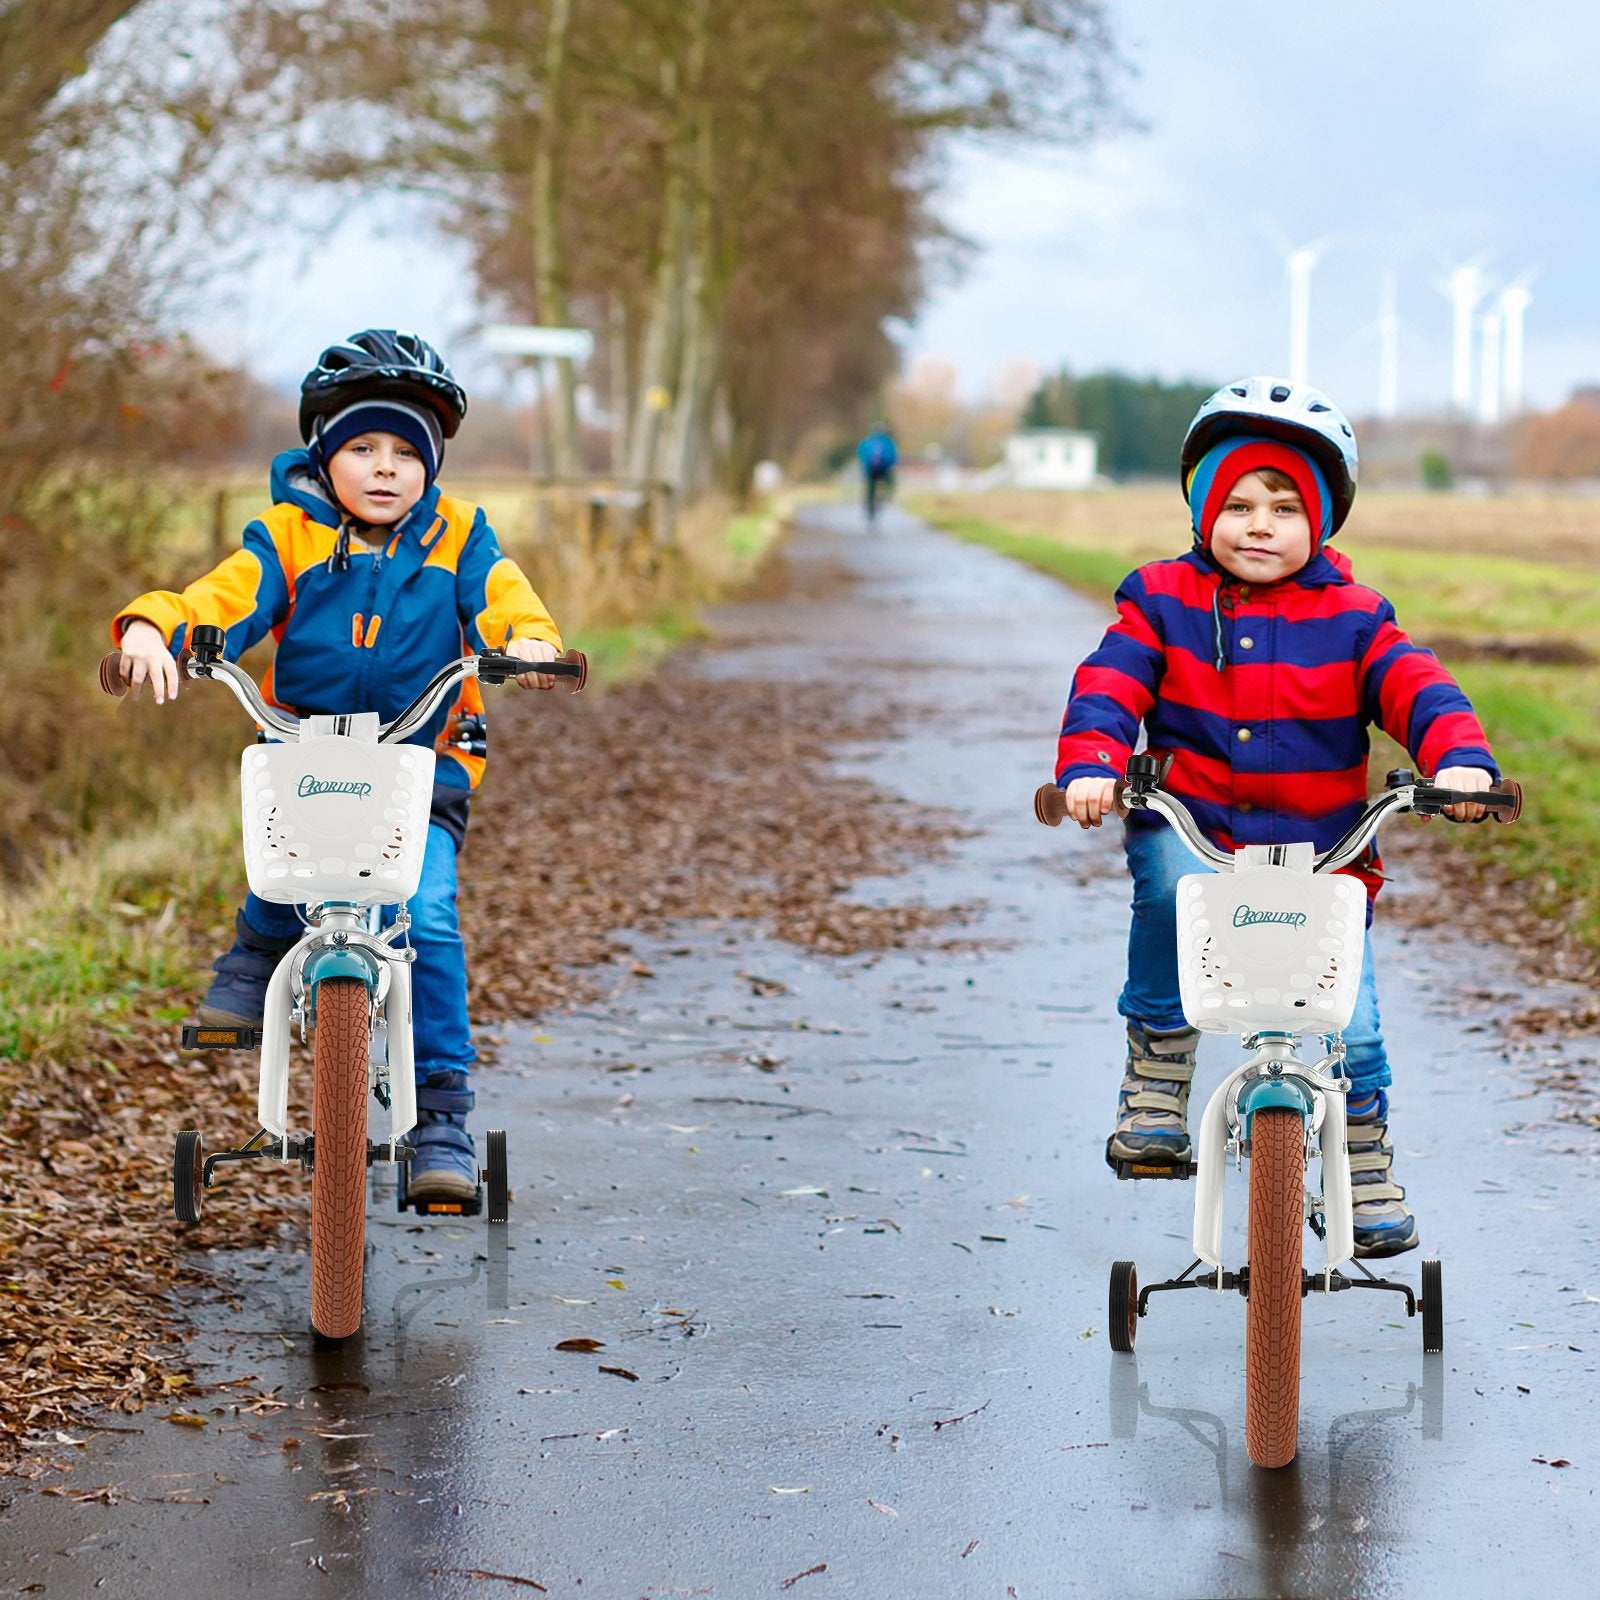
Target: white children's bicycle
[[1270, 947], [336, 822]]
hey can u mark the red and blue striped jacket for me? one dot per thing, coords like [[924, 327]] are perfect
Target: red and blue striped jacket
[[1262, 695]]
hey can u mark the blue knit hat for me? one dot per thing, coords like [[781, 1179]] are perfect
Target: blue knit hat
[[1221, 467], [415, 424]]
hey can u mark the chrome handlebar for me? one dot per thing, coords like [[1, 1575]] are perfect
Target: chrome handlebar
[[204, 660], [1140, 790]]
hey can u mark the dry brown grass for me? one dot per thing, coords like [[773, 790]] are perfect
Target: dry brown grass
[[1152, 521]]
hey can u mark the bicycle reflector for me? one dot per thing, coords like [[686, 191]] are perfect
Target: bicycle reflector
[[198, 1038]]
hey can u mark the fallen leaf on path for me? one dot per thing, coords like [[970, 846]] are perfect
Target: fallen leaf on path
[[621, 1372], [789, 1583], [585, 1347], [888, 1511], [804, 1489], [502, 1577], [188, 1419]]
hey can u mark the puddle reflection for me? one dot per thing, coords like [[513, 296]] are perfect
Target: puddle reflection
[[420, 1294], [1277, 1495]]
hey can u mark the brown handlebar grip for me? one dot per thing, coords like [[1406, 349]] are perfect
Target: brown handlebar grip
[[1509, 786], [111, 679], [581, 661], [1050, 805]]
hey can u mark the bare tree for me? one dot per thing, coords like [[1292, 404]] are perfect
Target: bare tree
[[734, 192]]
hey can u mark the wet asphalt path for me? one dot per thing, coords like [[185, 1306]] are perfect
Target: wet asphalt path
[[845, 1243]]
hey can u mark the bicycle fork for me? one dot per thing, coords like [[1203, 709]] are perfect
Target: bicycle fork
[[1275, 1077], [339, 947]]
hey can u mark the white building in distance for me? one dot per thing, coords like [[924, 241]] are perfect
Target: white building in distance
[[1052, 458]]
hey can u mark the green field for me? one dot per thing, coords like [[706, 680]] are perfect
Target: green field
[[1504, 591]]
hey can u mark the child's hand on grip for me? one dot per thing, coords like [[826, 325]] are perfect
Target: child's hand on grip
[[1089, 800], [533, 650], [145, 657]]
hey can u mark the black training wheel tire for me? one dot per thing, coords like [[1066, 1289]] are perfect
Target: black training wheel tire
[[1432, 1307], [1123, 1307], [499, 1192], [188, 1165]]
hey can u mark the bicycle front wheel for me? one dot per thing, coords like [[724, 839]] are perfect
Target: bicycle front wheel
[[339, 1164], [1272, 1314]]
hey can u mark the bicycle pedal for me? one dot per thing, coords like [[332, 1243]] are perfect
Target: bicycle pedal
[[447, 1208], [196, 1037], [1154, 1169]]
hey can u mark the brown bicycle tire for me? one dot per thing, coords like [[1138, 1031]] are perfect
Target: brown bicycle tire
[[1272, 1312], [339, 1167]]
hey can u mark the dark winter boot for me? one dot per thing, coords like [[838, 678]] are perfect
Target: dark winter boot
[[445, 1166], [238, 995], [1153, 1106], [1384, 1225]]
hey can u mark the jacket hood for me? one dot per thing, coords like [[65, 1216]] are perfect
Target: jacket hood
[[294, 483]]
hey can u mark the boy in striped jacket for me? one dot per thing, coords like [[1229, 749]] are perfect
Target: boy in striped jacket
[[1256, 663]]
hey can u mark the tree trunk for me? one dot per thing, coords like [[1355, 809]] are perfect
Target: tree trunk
[[652, 389], [621, 390], [698, 359], [549, 265]]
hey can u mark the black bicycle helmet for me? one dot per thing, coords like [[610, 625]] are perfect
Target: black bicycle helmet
[[1274, 408], [381, 364]]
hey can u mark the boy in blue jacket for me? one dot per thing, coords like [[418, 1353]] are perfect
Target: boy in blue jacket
[[1257, 664], [370, 580]]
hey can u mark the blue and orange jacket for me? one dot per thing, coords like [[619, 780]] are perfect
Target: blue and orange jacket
[[1262, 695], [370, 637]]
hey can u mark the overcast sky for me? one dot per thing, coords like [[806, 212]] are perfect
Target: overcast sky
[[1414, 134], [1411, 134]]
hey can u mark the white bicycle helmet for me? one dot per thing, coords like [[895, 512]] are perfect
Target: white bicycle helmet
[[1274, 408]]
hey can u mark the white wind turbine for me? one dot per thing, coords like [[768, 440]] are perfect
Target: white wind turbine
[[1299, 261], [1514, 299], [1489, 373], [1464, 288]]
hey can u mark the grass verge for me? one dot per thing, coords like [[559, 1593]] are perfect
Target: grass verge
[[1531, 605]]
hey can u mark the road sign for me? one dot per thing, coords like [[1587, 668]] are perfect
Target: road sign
[[525, 339]]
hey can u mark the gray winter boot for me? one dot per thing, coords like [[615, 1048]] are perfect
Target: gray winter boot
[[445, 1166], [1384, 1225], [1153, 1105]]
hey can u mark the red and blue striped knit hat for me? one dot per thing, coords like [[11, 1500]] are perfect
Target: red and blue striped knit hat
[[1225, 463]]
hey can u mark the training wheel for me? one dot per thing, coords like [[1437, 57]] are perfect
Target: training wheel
[[1123, 1306], [1432, 1307], [188, 1169], [495, 1176]]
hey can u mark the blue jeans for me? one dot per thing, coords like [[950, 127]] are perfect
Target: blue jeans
[[1157, 858], [441, 1033]]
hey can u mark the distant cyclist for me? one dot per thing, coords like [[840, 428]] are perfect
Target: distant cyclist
[[877, 455]]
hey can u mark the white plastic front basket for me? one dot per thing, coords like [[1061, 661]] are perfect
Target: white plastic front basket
[[336, 818], [1270, 947]]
